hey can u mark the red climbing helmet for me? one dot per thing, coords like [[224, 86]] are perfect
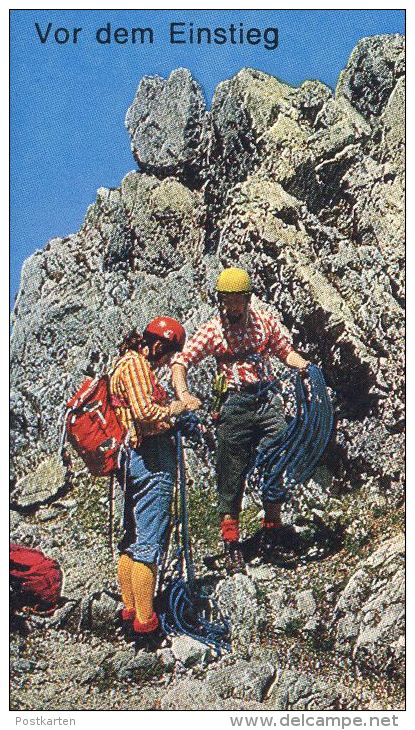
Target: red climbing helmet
[[168, 329]]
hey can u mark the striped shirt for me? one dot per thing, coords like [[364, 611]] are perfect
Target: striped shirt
[[141, 402], [242, 352]]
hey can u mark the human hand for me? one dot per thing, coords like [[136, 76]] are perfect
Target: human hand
[[176, 408], [190, 401]]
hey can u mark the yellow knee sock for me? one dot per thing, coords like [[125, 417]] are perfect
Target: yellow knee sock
[[143, 579], [125, 566]]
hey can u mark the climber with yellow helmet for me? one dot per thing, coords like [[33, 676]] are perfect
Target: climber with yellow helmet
[[241, 338]]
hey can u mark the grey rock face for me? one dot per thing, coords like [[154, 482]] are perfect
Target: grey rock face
[[237, 600], [292, 613], [166, 659], [188, 651], [46, 483], [260, 573], [370, 611], [244, 680], [141, 666], [191, 694], [104, 610], [372, 72], [166, 121], [294, 691], [392, 145], [306, 603], [312, 204]]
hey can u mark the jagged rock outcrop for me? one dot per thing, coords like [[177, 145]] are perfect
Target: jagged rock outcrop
[[304, 187], [370, 612], [309, 203], [237, 599], [371, 73], [166, 122]]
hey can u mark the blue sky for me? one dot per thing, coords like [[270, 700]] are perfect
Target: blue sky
[[68, 101]]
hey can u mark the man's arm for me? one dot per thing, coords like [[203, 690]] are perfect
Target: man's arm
[[196, 349], [280, 346], [179, 380]]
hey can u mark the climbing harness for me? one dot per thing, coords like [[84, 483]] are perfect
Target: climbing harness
[[188, 608], [291, 456]]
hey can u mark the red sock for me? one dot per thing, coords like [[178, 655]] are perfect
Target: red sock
[[128, 614], [229, 528], [146, 626]]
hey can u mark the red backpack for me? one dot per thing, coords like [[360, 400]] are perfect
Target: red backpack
[[92, 426], [36, 580]]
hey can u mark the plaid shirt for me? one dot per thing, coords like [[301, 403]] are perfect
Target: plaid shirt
[[242, 352], [139, 399]]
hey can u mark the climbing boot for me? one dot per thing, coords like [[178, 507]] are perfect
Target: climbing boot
[[234, 559], [277, 540], [127, 614], [124, 621], [147, 636], [148, 642]]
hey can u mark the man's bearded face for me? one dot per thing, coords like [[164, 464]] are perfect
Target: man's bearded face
[[234, 306]]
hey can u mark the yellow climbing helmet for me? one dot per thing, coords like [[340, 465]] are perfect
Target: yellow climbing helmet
[[233, 280]]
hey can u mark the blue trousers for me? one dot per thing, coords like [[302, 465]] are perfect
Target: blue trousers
[[151, 473]]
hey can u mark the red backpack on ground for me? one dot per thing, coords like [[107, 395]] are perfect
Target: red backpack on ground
[[92, 426], [36, 580]]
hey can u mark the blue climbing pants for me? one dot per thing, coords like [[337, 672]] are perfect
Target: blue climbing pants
[[151, 472]]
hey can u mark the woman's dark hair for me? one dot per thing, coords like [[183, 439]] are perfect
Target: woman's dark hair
[[149, 339], [135, 341], [132, 341]]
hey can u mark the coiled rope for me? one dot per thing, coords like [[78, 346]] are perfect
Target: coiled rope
[[284, 461], [188, 608], [291, 457]]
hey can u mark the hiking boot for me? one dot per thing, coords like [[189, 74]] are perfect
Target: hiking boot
[[124, 620], [149, 642], [283, 539], [145, 636], [234, 559]]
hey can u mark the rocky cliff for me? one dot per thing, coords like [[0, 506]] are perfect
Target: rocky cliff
[[304, 187]]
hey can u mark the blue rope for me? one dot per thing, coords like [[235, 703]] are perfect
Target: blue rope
[[190, 427], [187, 606], [184, 515], [291, 456]]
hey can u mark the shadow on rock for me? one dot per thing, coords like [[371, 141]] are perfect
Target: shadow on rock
[[294, 548]]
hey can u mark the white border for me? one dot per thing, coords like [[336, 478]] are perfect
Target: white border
[[201, 720]]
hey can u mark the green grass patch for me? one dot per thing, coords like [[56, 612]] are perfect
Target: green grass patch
[[203, 517], [249, 520]]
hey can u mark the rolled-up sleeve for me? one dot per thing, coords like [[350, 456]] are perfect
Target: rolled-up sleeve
[[200, 345]]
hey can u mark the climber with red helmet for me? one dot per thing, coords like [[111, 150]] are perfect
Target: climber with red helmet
[[143, 406]]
